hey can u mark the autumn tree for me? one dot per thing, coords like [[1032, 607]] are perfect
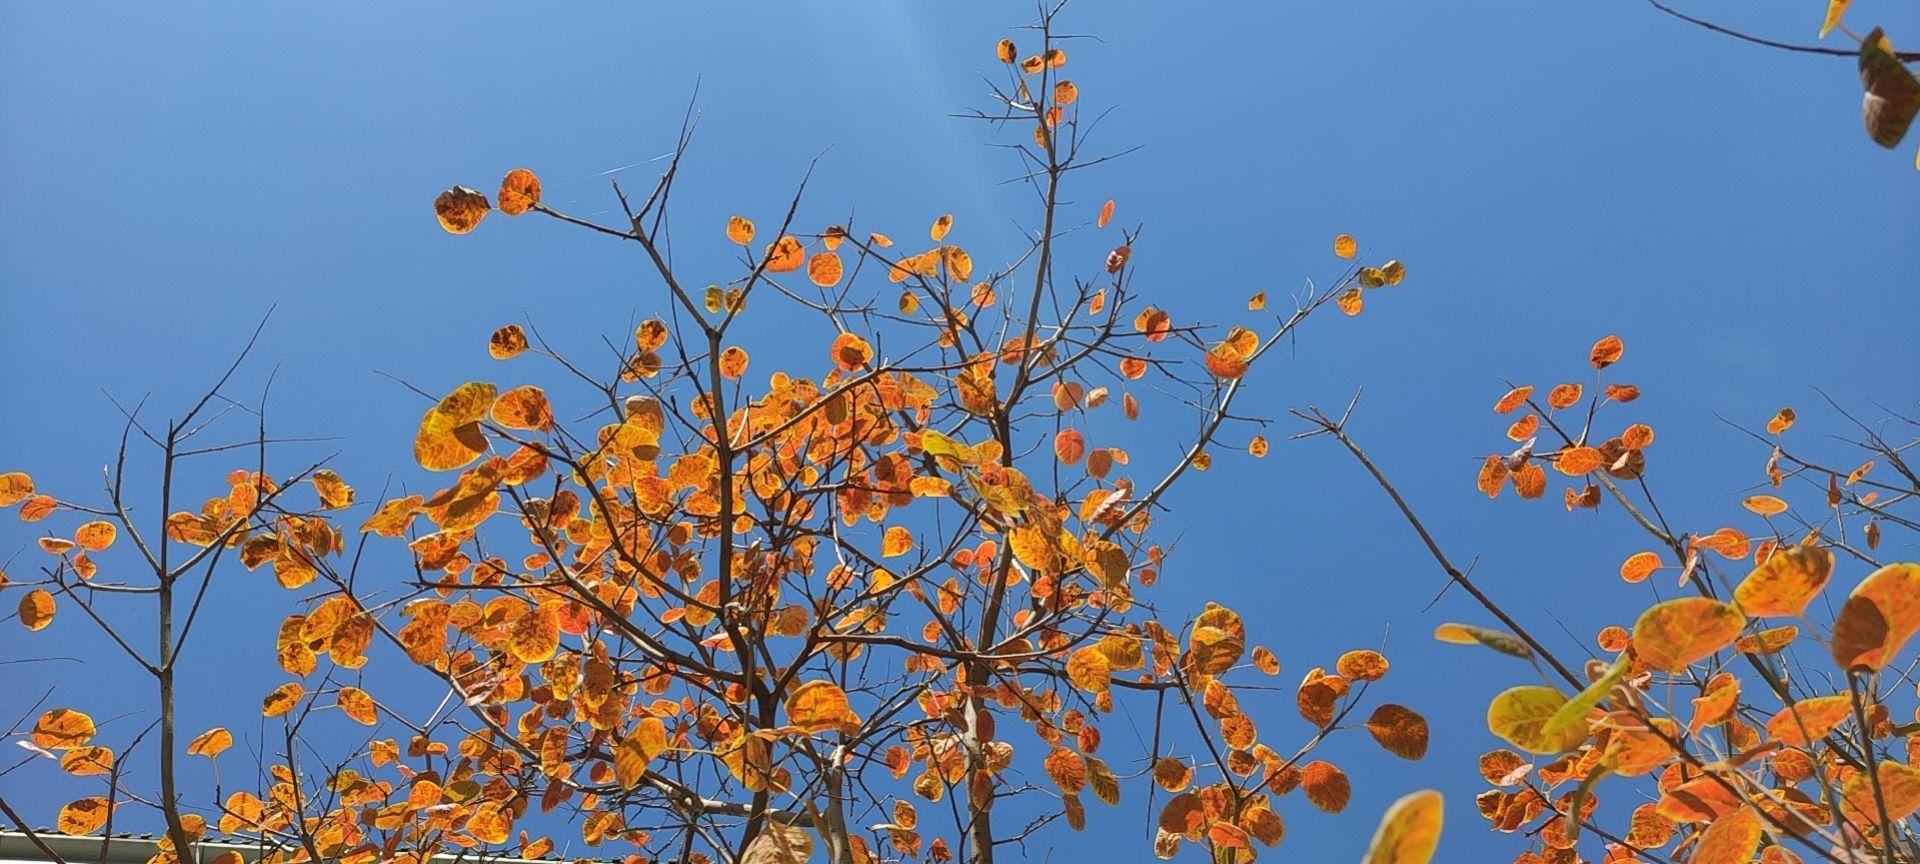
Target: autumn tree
[[111, 563], [1757, 713], [874, 607]]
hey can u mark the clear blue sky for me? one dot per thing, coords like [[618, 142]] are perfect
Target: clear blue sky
[[1550, 173]]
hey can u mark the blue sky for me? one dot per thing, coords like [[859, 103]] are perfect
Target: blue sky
[[1550, 173]]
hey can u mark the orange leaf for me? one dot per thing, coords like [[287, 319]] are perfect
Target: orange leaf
[[523, 407], [460, 209], [850, 352], [507, 342], [824, 269], [355, 703], [95, 536], [84, 816], [1731, 839], [282, 699], [740, 230], [1782, 421], [1809, 720], [1400, 730], [1069, 446], [1514, 399], [898, 541], [821, 706], [1326, 786], [519, 192], [785, 255], [1639, 566], [1606, 352], [36, 609], [450, 434], [1764, 505], [1878, 618], [1786, 583], [62, 729], [15, 486], [1362, 665], [1345, 246]]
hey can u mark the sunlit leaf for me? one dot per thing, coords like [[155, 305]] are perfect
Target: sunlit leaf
[[1520, 716], [785, 255], [824, 269], [1327, 787], [1606, 352], [1786, 583], [460, 209], [821, 706], [450, 434], [739, 230], [83, 817], [1409, 832], [1809, 720], [647, 740], [1731, 839], [519, 192], [1781, 421], [850, 352], [1468, 634], [1878, 618], [36, 609], [62, 729], [282, 699], [1639, 566], [1671, 636], [355, 703], [1400, 730], [210, 743]]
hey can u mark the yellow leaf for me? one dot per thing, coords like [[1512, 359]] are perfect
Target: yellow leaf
[[1835, 9], [355, 703], [821, 706], [898, 541], [211, 743], [647, 740], [450, 434], [1520, 716], [1671, 636], [1409, 832], [1731, 839]]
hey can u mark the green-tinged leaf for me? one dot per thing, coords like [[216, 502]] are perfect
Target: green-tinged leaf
[[1893, 96], [1469, 634], [1519, 716], [1573, 715]]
